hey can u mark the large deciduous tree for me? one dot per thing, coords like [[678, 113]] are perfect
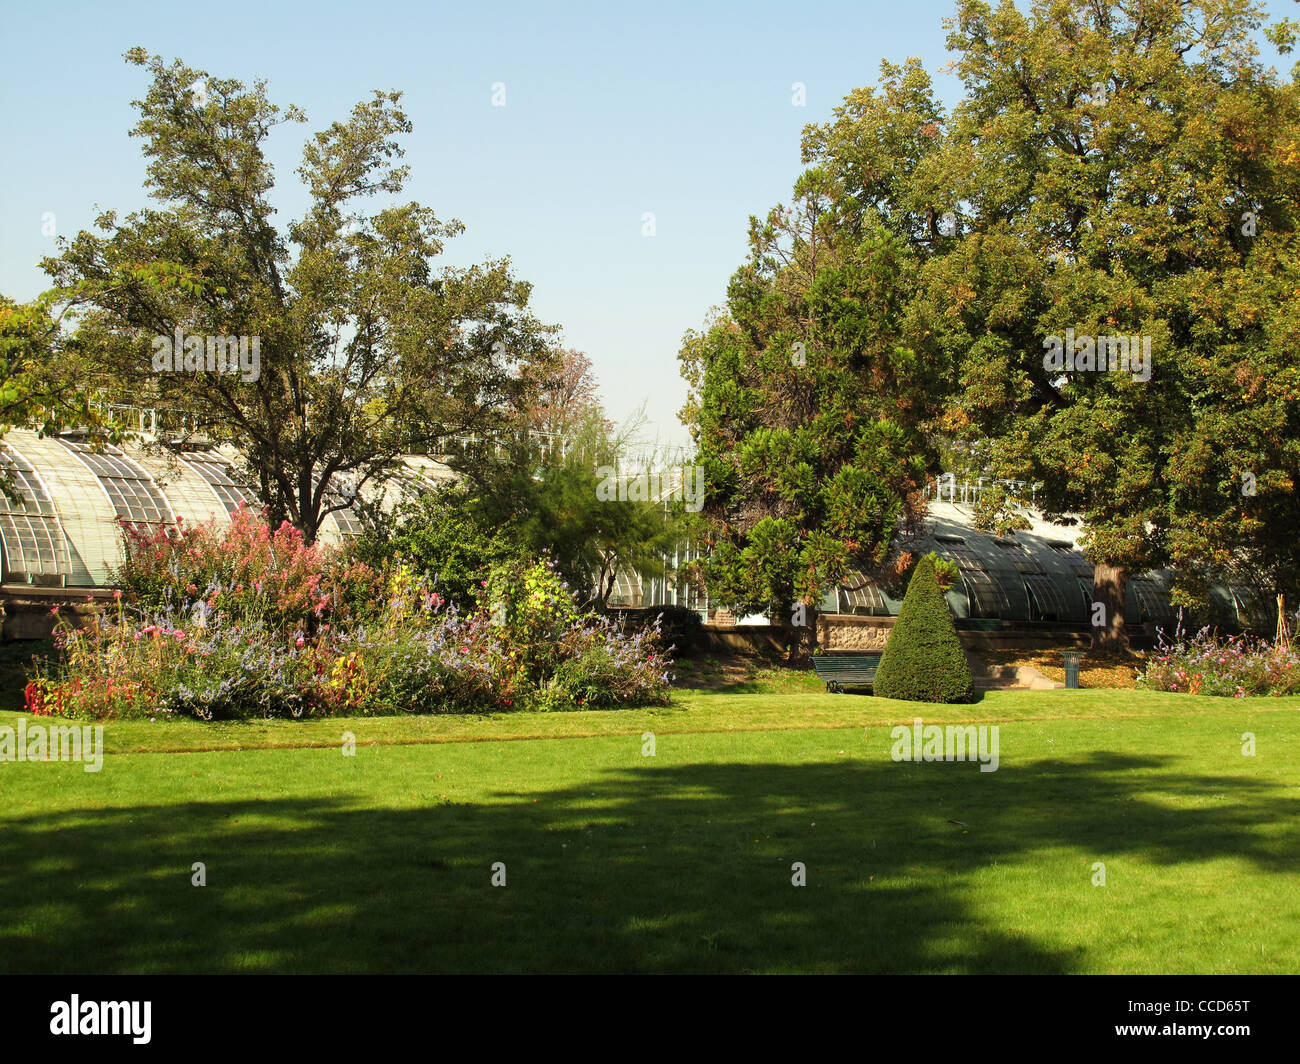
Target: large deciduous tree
[[1115, 170], [367, 349], [1125, 170]]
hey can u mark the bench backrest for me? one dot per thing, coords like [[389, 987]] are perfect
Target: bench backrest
[[838, 663]]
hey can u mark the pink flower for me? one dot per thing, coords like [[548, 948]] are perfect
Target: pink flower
[[179, 634]]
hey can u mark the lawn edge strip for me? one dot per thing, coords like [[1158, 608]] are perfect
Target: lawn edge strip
[[448, 740]]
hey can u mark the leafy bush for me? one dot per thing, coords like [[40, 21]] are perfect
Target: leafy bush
[[236, 674], [454, 664], [1233, 668], [924, 660], [532, 608], [604, 666], [118, 667], [438, 538]]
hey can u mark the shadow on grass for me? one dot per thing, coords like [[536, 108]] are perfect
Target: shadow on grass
[[655, 867], [859, 689]]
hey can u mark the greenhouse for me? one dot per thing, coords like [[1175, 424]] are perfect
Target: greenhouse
[[59, 518], [1037, 577], [59, 529]]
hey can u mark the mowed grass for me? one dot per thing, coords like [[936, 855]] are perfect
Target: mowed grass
[[619, 862]]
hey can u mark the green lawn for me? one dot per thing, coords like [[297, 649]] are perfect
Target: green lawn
[[678, 862]]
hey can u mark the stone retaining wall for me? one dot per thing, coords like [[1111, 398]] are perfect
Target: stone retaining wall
[[843, 631], [26, 612]]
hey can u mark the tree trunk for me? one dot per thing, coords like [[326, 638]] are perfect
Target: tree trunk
[[1108, 586], [801, 639]]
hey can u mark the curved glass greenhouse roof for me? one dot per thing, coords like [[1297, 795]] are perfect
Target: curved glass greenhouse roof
[[60, 526], [1038, 576]]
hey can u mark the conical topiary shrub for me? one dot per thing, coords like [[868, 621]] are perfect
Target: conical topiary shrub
[[924, 661]]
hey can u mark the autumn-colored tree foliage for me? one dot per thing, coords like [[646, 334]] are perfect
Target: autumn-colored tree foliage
[[563, 403], [1126, 170], [1118, 177]]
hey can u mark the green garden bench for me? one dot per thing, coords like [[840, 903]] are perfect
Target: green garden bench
[[846, 670]]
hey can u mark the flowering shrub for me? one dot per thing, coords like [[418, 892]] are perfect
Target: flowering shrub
[[560, 660], [43, 698], [531, 609], [1234, 667], [280, 629], [243, 569], [454, 664], [603, 666]]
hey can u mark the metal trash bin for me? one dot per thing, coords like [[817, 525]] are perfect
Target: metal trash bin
[[1072, 659]]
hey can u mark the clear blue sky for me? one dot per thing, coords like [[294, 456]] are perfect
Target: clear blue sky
[[683, 109]]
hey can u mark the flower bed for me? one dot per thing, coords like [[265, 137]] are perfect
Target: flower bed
[[1233, 667], [243, 622]]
